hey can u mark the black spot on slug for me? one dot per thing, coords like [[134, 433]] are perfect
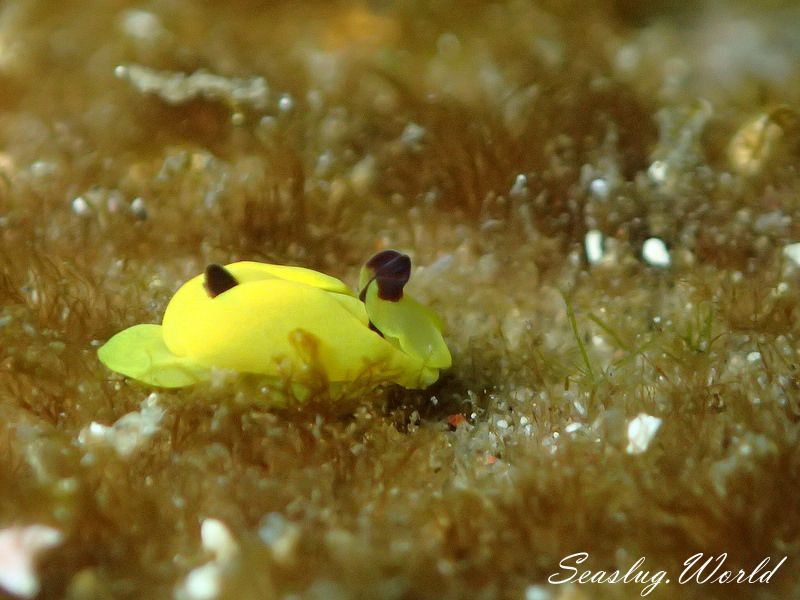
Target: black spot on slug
[[392, 271], [218, 280]]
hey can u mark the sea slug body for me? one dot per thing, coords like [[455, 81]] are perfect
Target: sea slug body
[[283, 321]]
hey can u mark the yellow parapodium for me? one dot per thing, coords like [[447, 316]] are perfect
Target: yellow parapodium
[[285, 323]]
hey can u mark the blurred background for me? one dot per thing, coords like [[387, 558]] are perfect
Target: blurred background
[[600, 199]]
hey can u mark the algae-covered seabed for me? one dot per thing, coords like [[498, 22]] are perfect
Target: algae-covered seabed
[[486, 141]]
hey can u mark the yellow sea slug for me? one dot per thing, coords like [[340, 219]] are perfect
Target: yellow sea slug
[[287, 323]]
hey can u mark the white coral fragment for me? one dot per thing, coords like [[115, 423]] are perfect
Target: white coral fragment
[[641, 431], [130, 432], [593, 244], [218, 539], [178, 88], [205, 582], [655, 253], [792, 252], [19, 548]]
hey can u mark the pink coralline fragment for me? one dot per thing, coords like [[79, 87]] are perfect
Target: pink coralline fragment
[[19, 549]]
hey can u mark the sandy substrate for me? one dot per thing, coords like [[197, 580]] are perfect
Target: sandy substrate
[[600, 200]]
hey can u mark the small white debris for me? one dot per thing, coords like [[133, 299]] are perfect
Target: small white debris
[[218, 539], [363, 175], [502, 424], [205, 582], [641, 431], [754, 144], [281, 536], [491, 225], [628, 58], [599, 188], [655, 252], [658, 171], [412, 135], [138, 208], [141, 25], [537, 592], [593, 243], [551, 442], [573, 427], [43, 168], [285, 103], [520, 187], [202, 583], [80, 207], [753, 357], [19, 549], [598, 341], [773, 223], [579, 407], [792, 252], [130, 432], [93, 433]]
